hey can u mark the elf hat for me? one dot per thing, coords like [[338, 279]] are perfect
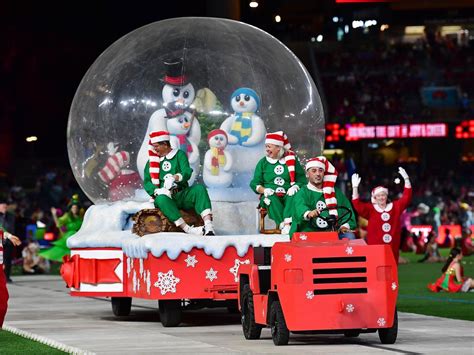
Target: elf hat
[[278, 138], [329, 181], [377, 190], [215, 132], [246, 91], [159, 136], [175, 72]]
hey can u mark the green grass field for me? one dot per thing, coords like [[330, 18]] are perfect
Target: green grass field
[[14, 344], [414, 296]]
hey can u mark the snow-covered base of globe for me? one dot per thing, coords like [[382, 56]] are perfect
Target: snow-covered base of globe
[[109, 225]]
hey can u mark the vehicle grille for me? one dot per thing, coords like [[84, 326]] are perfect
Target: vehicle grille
[[344, 275]]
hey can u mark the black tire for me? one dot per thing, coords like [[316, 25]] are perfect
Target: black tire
[[351, 333], [251, 329], [389, 335], [121, 306], [170, 312], [280, 332]]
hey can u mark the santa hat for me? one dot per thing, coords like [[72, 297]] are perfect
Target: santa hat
[[280, 139], [175, 72], [156, 137], [114, 164], [329, 181], [377, 190], [215, 132], [246, 91], [159, 136]]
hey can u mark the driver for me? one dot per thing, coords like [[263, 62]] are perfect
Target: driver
[[320, 193]]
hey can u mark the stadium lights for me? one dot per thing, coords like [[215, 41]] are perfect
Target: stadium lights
[[335, 19], [253, 4], [31, 139], [384, 27], [319, 38], [277, 18]]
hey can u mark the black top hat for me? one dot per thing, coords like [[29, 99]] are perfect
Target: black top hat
[[175, 72]]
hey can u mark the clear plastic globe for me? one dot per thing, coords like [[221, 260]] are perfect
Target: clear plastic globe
[[131, 89]]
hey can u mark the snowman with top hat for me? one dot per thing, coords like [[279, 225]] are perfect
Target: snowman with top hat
[[246, 133], [176, 117]]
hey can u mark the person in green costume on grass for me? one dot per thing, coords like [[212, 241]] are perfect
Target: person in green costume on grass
[[72, 220]]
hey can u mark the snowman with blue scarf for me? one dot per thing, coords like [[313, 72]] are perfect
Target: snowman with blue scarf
[[246, 132]]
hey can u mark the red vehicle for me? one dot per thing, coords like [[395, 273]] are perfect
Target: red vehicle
[[193, 278], [319, 284]]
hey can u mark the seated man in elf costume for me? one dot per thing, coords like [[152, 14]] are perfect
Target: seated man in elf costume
[[166, 179], [278, 177], [318, 194]]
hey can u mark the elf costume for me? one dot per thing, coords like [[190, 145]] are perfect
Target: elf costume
[[449, 283], [183, 196], [310, 197], [72, 223], [279, 175]]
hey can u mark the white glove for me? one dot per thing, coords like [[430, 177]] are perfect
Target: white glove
[[162, 191], [268, 192], [355, 180], [169, 182], [403, 173], [292, 190]]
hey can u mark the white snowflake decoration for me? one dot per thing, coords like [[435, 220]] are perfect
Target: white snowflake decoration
[[191, 261], [349, 250], [167, 282], [234, 270], [287, 258], [303, 237], [310, 295], [381, 322], [211, 274], [394, 286], [350, 308]]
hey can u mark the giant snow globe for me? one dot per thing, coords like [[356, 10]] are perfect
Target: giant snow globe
[[216, 85]]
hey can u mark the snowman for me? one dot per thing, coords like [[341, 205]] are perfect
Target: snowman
[[246, 132], [217, 161], [176, 118]]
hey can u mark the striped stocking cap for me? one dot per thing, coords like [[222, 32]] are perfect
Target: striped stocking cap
[[329, 181], [155, 137], [280, 139], [113, 166]]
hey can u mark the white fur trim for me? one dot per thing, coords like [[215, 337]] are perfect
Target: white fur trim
[[179, 222], [180, 177], [313, 188], [387, 208], [274, 142], [315, 164], [305, 216], [171, 154], [206, 212]]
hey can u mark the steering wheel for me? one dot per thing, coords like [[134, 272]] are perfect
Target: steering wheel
[[330, 220]]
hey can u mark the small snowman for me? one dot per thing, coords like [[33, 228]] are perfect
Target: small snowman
[[246, 132], [217, 161], [175, 117]]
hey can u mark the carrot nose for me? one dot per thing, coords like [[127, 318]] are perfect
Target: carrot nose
[[241, 103], [180, 101], [186, 124]]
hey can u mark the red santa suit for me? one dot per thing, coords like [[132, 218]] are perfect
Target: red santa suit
[[384, 224], [3, 285]]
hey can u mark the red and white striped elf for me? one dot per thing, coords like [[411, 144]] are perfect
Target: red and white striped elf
[[113, 166], [280, 139], [329, 181], [156, 137]]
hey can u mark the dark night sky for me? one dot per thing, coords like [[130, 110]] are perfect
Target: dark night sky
[[46, 50]]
